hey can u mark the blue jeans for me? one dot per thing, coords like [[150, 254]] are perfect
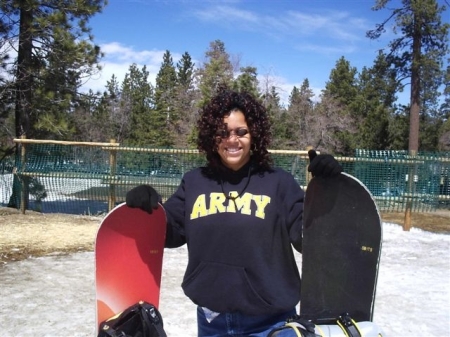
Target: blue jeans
[[236, 324]]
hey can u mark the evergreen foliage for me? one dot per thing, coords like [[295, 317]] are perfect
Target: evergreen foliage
[[375, 103], [166, 83], [342, 89], [300, 116], [217, 71], [186, 96], [417, 54], [356, 109], [55, 52], [247, 81], [272, 102]]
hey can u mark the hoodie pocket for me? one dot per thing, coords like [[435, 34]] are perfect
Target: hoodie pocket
[[224, 288]]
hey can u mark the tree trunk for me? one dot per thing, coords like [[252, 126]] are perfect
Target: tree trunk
[[24, 83], [414, 115], [415, 87], [23, 72]]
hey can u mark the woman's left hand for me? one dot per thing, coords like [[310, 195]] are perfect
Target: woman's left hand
[[323, 165]]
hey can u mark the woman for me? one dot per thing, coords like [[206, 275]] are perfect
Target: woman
[[240, 217]]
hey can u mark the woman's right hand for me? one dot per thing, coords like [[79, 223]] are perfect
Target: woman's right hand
[[144, 197]]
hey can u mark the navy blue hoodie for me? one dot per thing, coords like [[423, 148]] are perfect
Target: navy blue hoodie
[[240, 253]]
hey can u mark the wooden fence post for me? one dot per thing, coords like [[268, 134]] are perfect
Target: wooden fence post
[[308, 174], [112, 170], [23, 181], [411, 191]]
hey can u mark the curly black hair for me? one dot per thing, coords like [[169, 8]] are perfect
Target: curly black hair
[[211, 120]]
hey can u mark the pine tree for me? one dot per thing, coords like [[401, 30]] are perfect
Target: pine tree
[[6, 99], [165, 97], [147, 125], [444, 132], [307, 120], [375, 103], [247, 81], [217, 71], [295, 116], [183, 129], [342, 84], [90, 119], [118, 122], [272, 102], [55, 51], [418, 53], [166, 82], [340, 94], [291, 120], [399, 129], [102, 118], [185, 71]]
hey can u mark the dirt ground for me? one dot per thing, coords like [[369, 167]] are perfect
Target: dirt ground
[[37, 234]]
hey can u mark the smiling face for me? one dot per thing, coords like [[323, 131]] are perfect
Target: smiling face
[[234, 150]]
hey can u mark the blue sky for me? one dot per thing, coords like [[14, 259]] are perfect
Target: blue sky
[[286, 40]]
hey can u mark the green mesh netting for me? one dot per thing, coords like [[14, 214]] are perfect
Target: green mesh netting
[[397, 179], [80, 179]]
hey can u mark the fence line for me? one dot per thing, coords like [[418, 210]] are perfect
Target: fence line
[[87, 177]]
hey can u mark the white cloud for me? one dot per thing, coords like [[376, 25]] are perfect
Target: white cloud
[[118, 59], [225, 15], [321, 48], [339, 26], [336, 25], [129, 54]]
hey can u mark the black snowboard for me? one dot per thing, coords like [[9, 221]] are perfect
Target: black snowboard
[[341, 250]]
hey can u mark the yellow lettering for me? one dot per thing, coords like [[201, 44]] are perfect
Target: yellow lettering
[[261, 202], [199, 208], [216, 203], [231, 208], [243, 203]]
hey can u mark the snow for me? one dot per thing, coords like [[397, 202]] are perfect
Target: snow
[[57, 188], [60, 195], [54, 295]]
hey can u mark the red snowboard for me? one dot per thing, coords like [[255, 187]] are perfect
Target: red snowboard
[[128, 258]]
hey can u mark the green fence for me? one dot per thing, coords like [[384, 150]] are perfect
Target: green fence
[[91, 178]]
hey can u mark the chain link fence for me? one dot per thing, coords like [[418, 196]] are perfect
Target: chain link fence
[[91, 178]]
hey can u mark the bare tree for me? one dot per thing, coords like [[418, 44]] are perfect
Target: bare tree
[[328, 121]]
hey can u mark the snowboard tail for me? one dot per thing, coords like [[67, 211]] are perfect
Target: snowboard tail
[[341, 250], [128, 258]]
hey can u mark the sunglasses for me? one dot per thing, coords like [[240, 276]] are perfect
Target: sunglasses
[[239, 132]]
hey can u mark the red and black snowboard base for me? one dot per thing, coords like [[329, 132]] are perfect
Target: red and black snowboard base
[[341, 250], [129, 250]]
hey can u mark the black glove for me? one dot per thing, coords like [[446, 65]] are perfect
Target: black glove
[[144, 197], [323, 165]]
